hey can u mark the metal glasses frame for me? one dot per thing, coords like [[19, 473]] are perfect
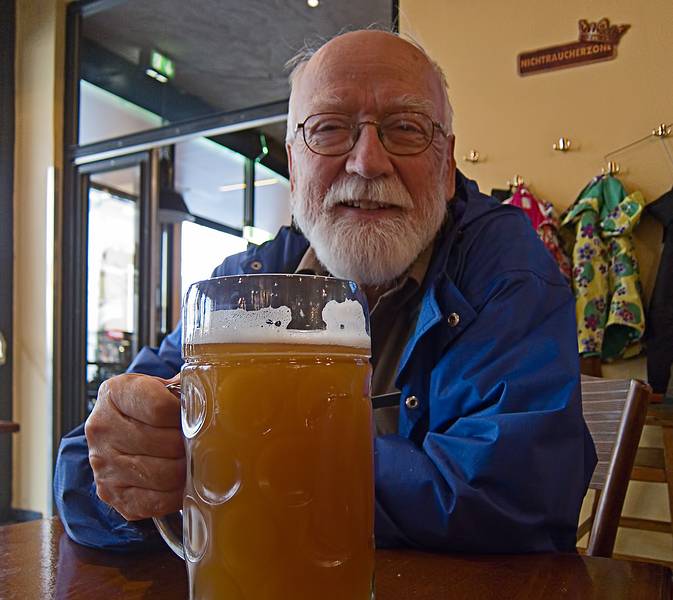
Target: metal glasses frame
[[358, 127]]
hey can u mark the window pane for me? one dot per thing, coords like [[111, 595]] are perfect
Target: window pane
[[104, 115], [272, 200], [210, 178], [210, 57], [203, 249], [112, 275]]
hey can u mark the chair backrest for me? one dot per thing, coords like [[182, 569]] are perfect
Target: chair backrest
[[615, 411]]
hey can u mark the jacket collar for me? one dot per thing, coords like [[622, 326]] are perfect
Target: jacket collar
[[280, 255], [466, 207]]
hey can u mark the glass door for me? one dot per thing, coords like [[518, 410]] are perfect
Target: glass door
[[112, 274], [111, 286]]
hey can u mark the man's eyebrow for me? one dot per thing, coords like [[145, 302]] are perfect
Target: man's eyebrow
[[327, 103], [414, 103]]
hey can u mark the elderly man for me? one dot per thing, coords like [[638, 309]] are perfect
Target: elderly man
[[486, 449]]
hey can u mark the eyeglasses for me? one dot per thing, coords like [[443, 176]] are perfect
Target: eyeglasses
[[403, 133]]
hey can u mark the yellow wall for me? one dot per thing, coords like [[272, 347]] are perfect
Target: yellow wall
[[39, 56], [513, 121]]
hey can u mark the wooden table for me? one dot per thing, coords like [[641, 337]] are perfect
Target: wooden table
[[39, 562]]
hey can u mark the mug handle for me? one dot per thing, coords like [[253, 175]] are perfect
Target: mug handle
[[170, 526]]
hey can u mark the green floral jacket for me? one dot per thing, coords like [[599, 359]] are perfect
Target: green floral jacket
[[610, 316]]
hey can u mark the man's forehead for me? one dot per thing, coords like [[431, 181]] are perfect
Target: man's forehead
[[331, 102], [364, 49], [369, 42], [380, 62]]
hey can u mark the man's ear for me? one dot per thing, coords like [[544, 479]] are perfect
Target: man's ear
[[288, 149], [450, 184]]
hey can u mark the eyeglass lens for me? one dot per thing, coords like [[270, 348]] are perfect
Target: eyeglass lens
[[400, 133]]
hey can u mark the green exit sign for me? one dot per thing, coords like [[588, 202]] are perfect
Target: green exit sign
[[162, 64]]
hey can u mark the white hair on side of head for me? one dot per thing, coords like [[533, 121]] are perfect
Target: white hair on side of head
[[297, 64]]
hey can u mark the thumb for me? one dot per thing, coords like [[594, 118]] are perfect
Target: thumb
[[174, 379]]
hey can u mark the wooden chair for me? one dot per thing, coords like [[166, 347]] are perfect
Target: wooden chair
[[614, 410], [655, 465]]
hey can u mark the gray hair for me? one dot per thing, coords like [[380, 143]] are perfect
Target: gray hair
[[297, 64]]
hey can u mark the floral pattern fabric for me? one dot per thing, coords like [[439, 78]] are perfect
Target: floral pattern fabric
[[605, 276], [541, 215]]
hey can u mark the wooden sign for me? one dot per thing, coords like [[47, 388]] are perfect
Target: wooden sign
[[597, 42]]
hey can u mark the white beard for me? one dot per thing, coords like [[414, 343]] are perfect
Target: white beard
[[371, 252]]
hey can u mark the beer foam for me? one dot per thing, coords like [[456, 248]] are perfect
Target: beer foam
[[345, 326]]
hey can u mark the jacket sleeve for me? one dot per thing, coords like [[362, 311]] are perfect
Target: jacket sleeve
[[86, 518], [506, 457]]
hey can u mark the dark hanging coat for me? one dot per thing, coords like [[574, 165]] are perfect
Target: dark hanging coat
[[660, 317]]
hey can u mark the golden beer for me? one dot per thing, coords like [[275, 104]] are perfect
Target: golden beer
[[279, 501]]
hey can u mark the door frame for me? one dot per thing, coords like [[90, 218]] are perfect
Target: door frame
[[75, 268], [7, 124]]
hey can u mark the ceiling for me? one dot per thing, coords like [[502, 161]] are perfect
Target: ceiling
[[228, 54]]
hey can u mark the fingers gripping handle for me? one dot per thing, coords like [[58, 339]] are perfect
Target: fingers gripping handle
[[170, 526]]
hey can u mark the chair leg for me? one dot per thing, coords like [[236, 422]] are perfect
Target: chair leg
[[668, 464], [588, 524]]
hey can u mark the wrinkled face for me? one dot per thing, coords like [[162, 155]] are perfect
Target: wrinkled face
[[368, 214]]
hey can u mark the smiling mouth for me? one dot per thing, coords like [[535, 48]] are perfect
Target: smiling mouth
[[366, 205]]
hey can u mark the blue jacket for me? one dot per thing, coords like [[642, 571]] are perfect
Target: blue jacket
[[496, 456]]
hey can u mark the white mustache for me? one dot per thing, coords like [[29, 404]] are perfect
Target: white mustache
[[389, 191]]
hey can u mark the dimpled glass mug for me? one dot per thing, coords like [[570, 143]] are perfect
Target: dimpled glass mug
[[277, 421]]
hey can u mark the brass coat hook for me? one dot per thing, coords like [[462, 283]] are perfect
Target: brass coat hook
[[472, 157], [516, 181], [562, 145], [612, 168], [662, 131]]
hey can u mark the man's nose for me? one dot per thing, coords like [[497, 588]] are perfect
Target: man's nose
[[369, 158]]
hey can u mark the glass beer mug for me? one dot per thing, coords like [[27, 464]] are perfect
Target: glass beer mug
[[277, 421]]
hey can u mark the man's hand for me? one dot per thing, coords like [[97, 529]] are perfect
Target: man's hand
[[135, 446]]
